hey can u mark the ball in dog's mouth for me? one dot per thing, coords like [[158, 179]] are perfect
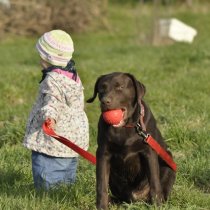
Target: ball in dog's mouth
[[114, 117]]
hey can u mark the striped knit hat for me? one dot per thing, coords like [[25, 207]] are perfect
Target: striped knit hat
[[56, 47]]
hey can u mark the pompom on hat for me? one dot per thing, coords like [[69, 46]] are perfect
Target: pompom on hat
[[56, 47]]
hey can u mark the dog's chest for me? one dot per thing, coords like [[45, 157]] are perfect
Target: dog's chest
[[124, 143], [122, 136], [126, 158], [126, 162]]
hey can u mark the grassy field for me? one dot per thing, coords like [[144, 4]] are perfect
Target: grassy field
[[177, 82]]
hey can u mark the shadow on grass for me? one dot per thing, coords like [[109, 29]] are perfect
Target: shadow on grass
[[11, 182], [202, 180]]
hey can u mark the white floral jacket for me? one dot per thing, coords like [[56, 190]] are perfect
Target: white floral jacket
[[62, 99]]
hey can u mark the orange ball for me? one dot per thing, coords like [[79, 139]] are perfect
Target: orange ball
[[113, 117]]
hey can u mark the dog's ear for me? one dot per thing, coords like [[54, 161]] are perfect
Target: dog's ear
[[140, 89], [90, 100]]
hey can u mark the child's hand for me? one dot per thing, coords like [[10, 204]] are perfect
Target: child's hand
[[51, 123]]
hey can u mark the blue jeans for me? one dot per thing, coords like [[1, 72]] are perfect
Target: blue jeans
[[51, 171]]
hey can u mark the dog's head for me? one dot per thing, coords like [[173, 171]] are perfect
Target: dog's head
[[118, 91]]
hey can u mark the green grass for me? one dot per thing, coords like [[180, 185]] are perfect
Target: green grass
[[177, 82]]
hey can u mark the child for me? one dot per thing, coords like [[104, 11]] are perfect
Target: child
[[61, 100]]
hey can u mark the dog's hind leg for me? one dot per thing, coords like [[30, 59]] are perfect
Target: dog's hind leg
[[141, 194], [167, 179]]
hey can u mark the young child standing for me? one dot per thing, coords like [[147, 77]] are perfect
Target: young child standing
[[61, 100]]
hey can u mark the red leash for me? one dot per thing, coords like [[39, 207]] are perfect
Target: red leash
[[161, 152], [141, 130], [50, 132], [155, 146]]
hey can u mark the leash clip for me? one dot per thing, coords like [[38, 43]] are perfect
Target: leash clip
[[141, 132]]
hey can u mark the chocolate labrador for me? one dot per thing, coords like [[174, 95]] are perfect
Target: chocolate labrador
[[126, 165]]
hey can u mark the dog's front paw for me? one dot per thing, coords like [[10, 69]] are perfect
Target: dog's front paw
[[102, 207], [102, 201], [102, 204], [157, 198]]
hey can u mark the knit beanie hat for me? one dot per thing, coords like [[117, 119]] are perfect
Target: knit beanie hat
[[56, 47]]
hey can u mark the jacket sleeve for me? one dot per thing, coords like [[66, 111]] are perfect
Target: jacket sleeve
[[53, 102]]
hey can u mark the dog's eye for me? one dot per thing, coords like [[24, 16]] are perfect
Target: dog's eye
[[119, 87]]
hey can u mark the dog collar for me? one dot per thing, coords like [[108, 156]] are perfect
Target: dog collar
[[141, 119]]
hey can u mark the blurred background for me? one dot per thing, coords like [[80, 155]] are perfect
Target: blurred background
[[164, 43], [24, 17]]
